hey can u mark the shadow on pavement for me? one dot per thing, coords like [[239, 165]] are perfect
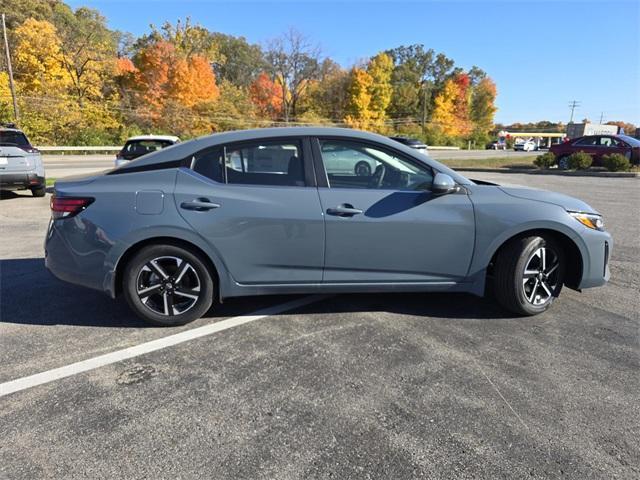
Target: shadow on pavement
[[30, 295]]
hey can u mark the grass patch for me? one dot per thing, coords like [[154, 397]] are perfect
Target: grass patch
[[493, 162], [50, 182]]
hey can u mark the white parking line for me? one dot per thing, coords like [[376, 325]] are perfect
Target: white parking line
[[147, 347]]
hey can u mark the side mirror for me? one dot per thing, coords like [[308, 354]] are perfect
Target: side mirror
[[443, 184]]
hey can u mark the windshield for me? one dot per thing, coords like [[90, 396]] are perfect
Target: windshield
[[13, 138]]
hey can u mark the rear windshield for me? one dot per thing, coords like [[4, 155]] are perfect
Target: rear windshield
[[11, 138], [142, 147]]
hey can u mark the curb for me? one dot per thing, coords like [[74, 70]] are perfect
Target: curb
[[561, 173]]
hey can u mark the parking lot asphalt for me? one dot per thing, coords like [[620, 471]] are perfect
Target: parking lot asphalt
[[350, 386]]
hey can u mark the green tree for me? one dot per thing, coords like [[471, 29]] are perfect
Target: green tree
[[239, 61]]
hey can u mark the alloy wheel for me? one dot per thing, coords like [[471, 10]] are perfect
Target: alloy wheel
[[540, 277], [168, 285]]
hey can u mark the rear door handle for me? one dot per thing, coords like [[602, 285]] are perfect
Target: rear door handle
[[199, 205], [344, 210]]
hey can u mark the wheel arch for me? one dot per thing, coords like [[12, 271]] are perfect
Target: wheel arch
[[177, 242], [575, 260]]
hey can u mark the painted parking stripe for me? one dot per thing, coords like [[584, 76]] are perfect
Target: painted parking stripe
[[147, 347]]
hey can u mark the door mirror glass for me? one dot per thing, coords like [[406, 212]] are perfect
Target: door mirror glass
[[443, 184]]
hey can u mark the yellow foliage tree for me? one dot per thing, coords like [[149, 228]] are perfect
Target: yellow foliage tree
[[38, 59], [380, 69], [192, 81], [359, 99]]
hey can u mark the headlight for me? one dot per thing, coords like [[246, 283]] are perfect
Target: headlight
[[589, 220]]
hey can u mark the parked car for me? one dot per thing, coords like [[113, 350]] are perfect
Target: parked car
[[140, 145], [21, 166], [597, 146], [412, 143], [528, 145], [180, 229], [496, 145]]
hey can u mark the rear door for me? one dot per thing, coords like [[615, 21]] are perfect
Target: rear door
[[388, 226], [257, 205]]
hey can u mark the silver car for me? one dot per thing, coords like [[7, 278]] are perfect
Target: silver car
[[271, 211], [21, 166]]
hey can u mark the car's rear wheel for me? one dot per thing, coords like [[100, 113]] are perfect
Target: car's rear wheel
[[39, 192], [528, 274], [168, 285], [563, 162]]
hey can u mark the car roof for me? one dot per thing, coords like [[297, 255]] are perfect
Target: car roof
[[7, 129], [184, 149], [169, 138]]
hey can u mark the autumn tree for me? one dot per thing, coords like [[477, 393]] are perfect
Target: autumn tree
[[191, 81], [359, 99], [380, 68], [451, 106], [88, 50], [293, 63], [38, 59], [266, 95], [482, 108]]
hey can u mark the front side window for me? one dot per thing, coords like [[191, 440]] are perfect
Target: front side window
[[265, 163], [353, 164]]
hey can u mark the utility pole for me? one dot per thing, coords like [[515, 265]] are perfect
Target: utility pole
[[601, 117], [573, 104], [11, 86]]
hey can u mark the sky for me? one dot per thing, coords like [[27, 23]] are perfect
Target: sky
[[542, 55]]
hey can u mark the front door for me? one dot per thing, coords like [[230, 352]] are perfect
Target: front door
[[388, 226], [252, 204]]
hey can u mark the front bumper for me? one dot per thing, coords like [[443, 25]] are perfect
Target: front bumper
[[21, 180], [595, 258]]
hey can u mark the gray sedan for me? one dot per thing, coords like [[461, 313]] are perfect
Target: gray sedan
[[275, 211]]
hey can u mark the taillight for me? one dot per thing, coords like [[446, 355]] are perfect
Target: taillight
[[65, 207]]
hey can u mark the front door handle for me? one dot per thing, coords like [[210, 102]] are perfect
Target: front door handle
[[199, 205], [344, 210]]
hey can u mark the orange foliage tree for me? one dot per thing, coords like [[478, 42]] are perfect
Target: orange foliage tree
[[266, 95]]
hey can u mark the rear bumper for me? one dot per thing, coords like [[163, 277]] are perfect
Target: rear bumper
[[21, 180]]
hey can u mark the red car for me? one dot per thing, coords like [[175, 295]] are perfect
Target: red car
[[597, 146]]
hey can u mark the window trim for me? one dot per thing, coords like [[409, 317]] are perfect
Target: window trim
[[321, 171]]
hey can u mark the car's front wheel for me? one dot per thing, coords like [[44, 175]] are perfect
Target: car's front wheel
[[362, 169], [168, 285], [563, 162], [528, 274]]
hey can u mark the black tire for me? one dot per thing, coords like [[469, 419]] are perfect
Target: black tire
[[509, 275], [39, 191], [362, 169], [563, 162], [198, 275]]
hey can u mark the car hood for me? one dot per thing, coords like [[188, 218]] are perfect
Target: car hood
[[564, 201]]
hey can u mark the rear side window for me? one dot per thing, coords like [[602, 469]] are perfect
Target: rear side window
[[14, 139], [209, 163], [265, 163]]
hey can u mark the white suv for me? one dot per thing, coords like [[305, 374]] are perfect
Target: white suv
[[21, 164]]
